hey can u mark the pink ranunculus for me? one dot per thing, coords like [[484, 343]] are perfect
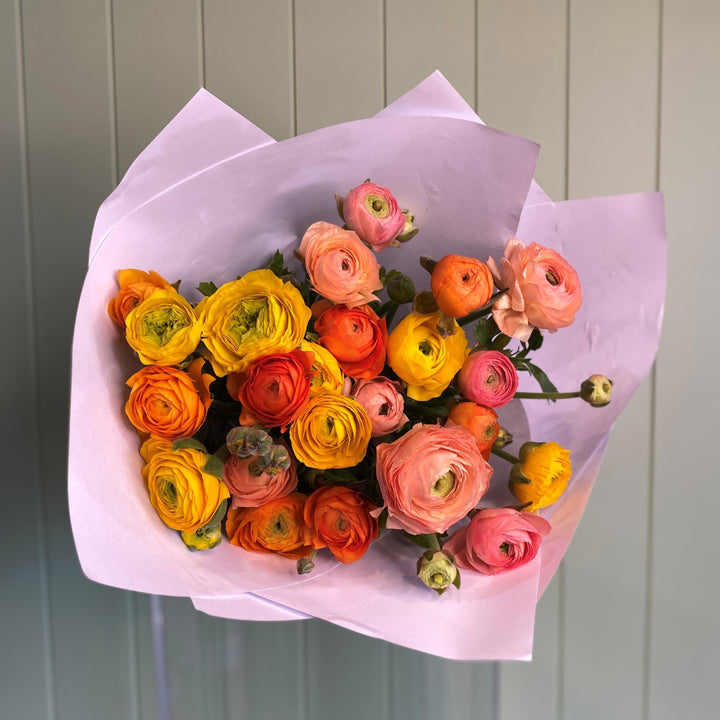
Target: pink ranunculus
[[373, 213], [488, 378], [339, 266], [498, 539], [430, 478], [248, 490], [543, 290], [384, 403]]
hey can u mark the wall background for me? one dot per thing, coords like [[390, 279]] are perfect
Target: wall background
[[622, 95]]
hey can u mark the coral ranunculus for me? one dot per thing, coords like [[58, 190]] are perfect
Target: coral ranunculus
[[342, 522], [431, 477], [276, 527], [543, 290], [383, 402], [542, 474], [488, 378], [168, 403], [373, 213], [250, 317], [461, 285], [339, 266], [421, 357], [274, 389], [498, 539], [135, 286], [248, 490], [480, 422], [356, 337]]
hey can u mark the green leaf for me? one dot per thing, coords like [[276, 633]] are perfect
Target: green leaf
[[277, 264], [542, 379], [485, 329], [216, 519], [191, 443], [214, 466], [222, 453], [176, 285], [500, 342], [456, 581], [382, 520], [535, 340], [207, 288]]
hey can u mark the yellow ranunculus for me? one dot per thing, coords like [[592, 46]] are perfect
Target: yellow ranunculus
[[250, 317], [163, 329], [185, 496], [326, 373], [333, 432], [542, 474], [420, 356]]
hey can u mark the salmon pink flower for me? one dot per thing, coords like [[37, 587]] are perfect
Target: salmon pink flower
[[253, 490], [488, 378], [373, 213], [383, 402]]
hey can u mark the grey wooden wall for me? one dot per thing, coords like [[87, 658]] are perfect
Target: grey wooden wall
[[623, 95]]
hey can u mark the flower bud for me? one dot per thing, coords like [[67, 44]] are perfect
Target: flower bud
[[409, 231], [401, 288], [305, 565], [203, 539], [424, 303], [437, 569], [596, 390], [446, 326], [504, 438], [247, 442]]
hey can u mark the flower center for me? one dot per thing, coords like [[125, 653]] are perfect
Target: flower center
[[161, 324], [249, 320], [444, 484], [552, 278], [505, 548], [377, 206]]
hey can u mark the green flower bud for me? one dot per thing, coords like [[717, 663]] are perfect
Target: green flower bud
[[401, 288], [504, 438], [205, 538], [409, 230], [437, 569], [446, 326], [596, 390], [246, 442], [424, 303]]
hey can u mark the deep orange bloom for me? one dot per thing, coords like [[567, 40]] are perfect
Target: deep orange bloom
[[135, 286], [480, 422], [461, 285]]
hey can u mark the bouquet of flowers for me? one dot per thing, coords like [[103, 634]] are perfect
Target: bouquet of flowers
[[326, 413]]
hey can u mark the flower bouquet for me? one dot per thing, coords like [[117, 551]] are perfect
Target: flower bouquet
[[371, 412]]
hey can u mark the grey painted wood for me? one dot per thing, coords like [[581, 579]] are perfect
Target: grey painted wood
[[684, 647], [613, 64]]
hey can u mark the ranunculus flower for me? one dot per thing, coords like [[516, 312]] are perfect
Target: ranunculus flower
[[373, 213], [326, 375], [480, 422], [461, 284], [431, 477], [332, 432], [276, 527], [341, 520], [384, 403], [274, 389], [356, 337], [163, 329], [543, 290], [248, 490], [250, 317], [488, 378], [437, 569], [168, 403], [421, 357], [185, 496], [135, 286], [542, 474], [498, 539], [339, 266]]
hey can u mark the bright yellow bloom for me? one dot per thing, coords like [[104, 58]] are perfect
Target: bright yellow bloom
[[420, 356], [163, 329], [326, 373], [250, 317], [185, 496], [333, 432], [542, 474]]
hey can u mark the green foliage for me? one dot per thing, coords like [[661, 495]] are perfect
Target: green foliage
[[207, 288]]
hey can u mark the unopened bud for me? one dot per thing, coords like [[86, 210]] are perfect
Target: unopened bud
[[409, 231], [596, 390], [205, 538], [247, 442], [446, 326], [504, 438], [401, 288], [424, 303], [437, 569]]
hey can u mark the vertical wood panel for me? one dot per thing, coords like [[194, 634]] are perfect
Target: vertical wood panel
[[23, 594], [685, 639], [249, 61], [338, 61], [66, 63]]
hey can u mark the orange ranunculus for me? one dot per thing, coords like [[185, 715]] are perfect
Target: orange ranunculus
[[274, 390], [277, 527], [461, 285], [135, 286], [342, 522], [480, 422], [542, 474], [356, 337], [167, 403]]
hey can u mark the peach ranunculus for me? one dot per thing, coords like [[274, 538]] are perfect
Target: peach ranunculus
[[341, 520], [384, 403], [339, 266], [461, 285], [167, 403], [276, 527], [431, 477], [480, 422], [252, 490], [135, 286], [373, 213], [274, 389], [498, 539], [356, 337], [488, 378], [543, 290]]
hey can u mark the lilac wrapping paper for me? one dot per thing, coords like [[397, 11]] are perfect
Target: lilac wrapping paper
[[213, 196]]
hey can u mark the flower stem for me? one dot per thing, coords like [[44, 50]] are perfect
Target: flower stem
[[547, 395], [433, 541], [504, 455], [484, 310], [391, 315]]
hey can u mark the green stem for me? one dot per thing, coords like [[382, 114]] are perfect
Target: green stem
[[505, 455], [433, 541], [547, 395], [391, 315], [484, 310], [385, 308]]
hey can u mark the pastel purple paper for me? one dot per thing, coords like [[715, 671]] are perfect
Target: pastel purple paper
[[134, 550]]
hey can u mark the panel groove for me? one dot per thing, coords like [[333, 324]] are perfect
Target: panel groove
[[293, 55], [34, 399], [201, 41], [112, 95]]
